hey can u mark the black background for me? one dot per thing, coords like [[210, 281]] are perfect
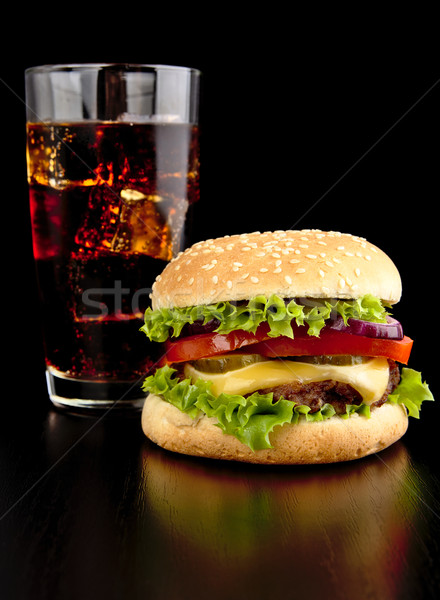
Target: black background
[[316, 120]]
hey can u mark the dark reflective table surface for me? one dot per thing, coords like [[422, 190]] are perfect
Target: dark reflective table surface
[[91, 509]]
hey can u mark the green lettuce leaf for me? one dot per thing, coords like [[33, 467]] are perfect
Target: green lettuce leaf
[[252, 419], [411, 392], [278, 312]]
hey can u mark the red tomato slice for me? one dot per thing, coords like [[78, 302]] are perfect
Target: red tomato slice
[[194, 347], [329, 342], [336, 342]]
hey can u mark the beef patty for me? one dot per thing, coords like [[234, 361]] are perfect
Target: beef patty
[[315, 395]]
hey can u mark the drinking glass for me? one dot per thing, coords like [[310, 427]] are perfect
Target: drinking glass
[[113, 173]]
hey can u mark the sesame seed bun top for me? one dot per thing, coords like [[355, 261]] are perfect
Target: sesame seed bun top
[[291, 264]]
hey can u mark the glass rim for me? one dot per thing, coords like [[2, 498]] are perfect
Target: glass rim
[[123, 66]]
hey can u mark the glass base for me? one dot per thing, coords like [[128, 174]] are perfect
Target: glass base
[[86, 396]]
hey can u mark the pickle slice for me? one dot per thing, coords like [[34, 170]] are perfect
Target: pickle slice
[[231, 362], [226, 362], [338, 360]]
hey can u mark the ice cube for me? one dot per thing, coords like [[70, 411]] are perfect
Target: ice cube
[[142, 227], [131, 222]]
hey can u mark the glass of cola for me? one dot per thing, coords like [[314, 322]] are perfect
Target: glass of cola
[[113, 173]]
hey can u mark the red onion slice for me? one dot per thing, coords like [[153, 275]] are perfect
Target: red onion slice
[[391, 330]]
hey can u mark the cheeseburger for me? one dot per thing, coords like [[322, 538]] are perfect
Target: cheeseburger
[[280, 347]]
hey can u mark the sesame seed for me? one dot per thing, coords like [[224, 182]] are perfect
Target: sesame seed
[[349, 254], [260, 254], [310, 255], [321, 273], [246, 248], [254, 279], [179, 278], [191, 281], [278, 263], [321, 243], [303, 245], [215, 279], [229, 284], [336, 260], [288, 279], [300, 271], [276, 255], [237, 264], [322, 254], [341, 283], [357, 272], [329, 263], [264, 270], [277, 270], [341, 247], [245, 276], [294, 261], [177, 267], [367, 257]]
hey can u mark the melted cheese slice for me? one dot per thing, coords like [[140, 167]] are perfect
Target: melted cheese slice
[[370, 379]]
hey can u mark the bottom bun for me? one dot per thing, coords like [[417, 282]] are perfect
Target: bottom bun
[[329, 441]]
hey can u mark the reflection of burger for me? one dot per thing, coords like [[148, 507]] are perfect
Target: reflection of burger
[[224, 520], [279, 348]]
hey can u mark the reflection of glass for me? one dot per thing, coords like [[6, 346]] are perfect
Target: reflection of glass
[[113, 168], [313, 527]]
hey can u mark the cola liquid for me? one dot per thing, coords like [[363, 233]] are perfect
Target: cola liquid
[[109, 206]]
